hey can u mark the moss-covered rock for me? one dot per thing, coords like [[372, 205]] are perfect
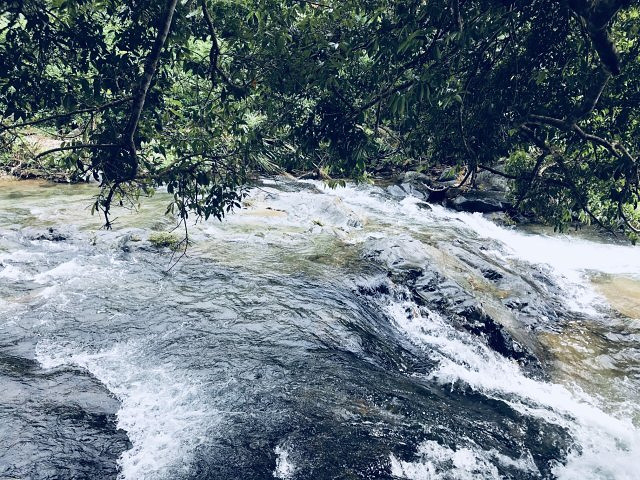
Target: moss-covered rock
[[165, 240]]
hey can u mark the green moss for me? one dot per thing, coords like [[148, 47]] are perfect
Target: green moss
[[165, 240]]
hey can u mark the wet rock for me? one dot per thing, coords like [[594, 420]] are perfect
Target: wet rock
[[415, 177], [406, 276], [516, 303], [491, 274], [479, 201], [479, 323], [505, 219], [466, 313], [488, 181], [423, 206], [414, 190], [128, 240], [423, 186], [374, 289], [51, 235], [397, 254], [437, 194], [448, 175], [408, 265], [56, 424], [396, 191], [286, 184]]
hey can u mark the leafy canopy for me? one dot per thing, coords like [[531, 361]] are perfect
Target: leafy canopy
[[235, 86]]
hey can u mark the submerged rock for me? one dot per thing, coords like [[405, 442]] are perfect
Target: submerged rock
[[491, 274], [72, 407]]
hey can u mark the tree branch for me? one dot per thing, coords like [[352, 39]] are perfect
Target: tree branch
[[151, 64], [542, 144], [80, 146], [214, 53], [616, 149], [98, 108], [592, 100], [532, 177], [498, 172]]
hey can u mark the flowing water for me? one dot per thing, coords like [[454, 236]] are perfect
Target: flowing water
[[315, 333]]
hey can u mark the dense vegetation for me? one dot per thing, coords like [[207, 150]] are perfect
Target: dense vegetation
[[196, 94]]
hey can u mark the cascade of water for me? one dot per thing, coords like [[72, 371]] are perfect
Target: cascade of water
[[318, 333]]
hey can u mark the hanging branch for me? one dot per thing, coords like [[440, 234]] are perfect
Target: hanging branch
[[214, 54], [150, 67], [558, 157], [92, 110], [593, 97], [80, 146], [532, 177], [128, 135]]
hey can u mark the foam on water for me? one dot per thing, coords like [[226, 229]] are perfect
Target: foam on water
[[606, 447], [568, 259], [285, 469], [12, 273], [21, 256], [438, 462], [63, 271], [566, 254], [162, 411], [301, 210]]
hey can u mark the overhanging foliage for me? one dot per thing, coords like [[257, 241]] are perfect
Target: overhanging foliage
[[551, 86]]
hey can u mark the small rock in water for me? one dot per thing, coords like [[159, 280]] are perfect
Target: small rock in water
[[51, 235], [491, 274]]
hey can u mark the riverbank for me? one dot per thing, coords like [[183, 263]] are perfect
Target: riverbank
[[21, 160]]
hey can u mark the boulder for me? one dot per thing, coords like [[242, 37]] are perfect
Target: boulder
[[479, 201], [422, 186], [490, 182], [396, 191], [408, 264], [414, 190]]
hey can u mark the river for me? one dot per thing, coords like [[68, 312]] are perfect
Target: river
[[314, 333]]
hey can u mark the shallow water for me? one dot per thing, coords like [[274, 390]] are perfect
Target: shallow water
[[286, 343]]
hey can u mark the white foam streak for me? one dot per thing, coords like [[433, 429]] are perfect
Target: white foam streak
[[63, 271], [284, 467], [568, 259], [606, 447], [437, 462], [162, 410], [564, 253], [12, 273]]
